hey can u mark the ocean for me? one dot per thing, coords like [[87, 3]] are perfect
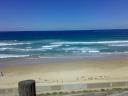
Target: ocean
[[63, 43]]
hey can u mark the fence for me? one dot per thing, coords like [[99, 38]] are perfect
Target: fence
[[29, 87]]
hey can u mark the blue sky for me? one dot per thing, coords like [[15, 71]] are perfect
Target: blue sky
[[63, 14]]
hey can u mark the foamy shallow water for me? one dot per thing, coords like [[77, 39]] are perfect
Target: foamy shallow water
[[58, 48]]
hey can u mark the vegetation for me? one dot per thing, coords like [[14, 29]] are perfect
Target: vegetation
[[108, 91]]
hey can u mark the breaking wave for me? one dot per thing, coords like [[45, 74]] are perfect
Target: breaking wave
[[15, 49], [12, 56]]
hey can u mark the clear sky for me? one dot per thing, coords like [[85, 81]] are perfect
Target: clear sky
[[63, 14]]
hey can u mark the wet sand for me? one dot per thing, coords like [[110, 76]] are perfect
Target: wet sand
[[50, 71]]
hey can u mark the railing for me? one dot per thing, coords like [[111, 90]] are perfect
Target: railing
[[27, 87]]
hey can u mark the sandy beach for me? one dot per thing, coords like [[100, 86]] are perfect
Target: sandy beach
[[72, 71]]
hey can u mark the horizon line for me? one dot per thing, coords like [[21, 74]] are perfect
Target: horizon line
[[59, 30]]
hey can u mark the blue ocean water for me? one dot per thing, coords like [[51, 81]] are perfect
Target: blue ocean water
[[62, 43]]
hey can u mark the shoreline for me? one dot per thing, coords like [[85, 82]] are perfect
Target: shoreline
[[59, 59]]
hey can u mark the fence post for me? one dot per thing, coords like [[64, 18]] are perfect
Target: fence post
[[27, 88]]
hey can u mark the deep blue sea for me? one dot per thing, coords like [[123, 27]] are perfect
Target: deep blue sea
[[62, 43]]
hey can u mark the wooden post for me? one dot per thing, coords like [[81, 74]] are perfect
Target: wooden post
[[27, 88]]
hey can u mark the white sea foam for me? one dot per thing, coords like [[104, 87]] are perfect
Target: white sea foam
[[3, 49], [98, 42], [24, 49], [61, 48], [46, 46], [7, 44], [81, 50], [125, 52], [12, 56], [52, 46], [119, 45], [94, 51]]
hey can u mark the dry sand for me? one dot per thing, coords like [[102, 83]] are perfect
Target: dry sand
[[66, 72]]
